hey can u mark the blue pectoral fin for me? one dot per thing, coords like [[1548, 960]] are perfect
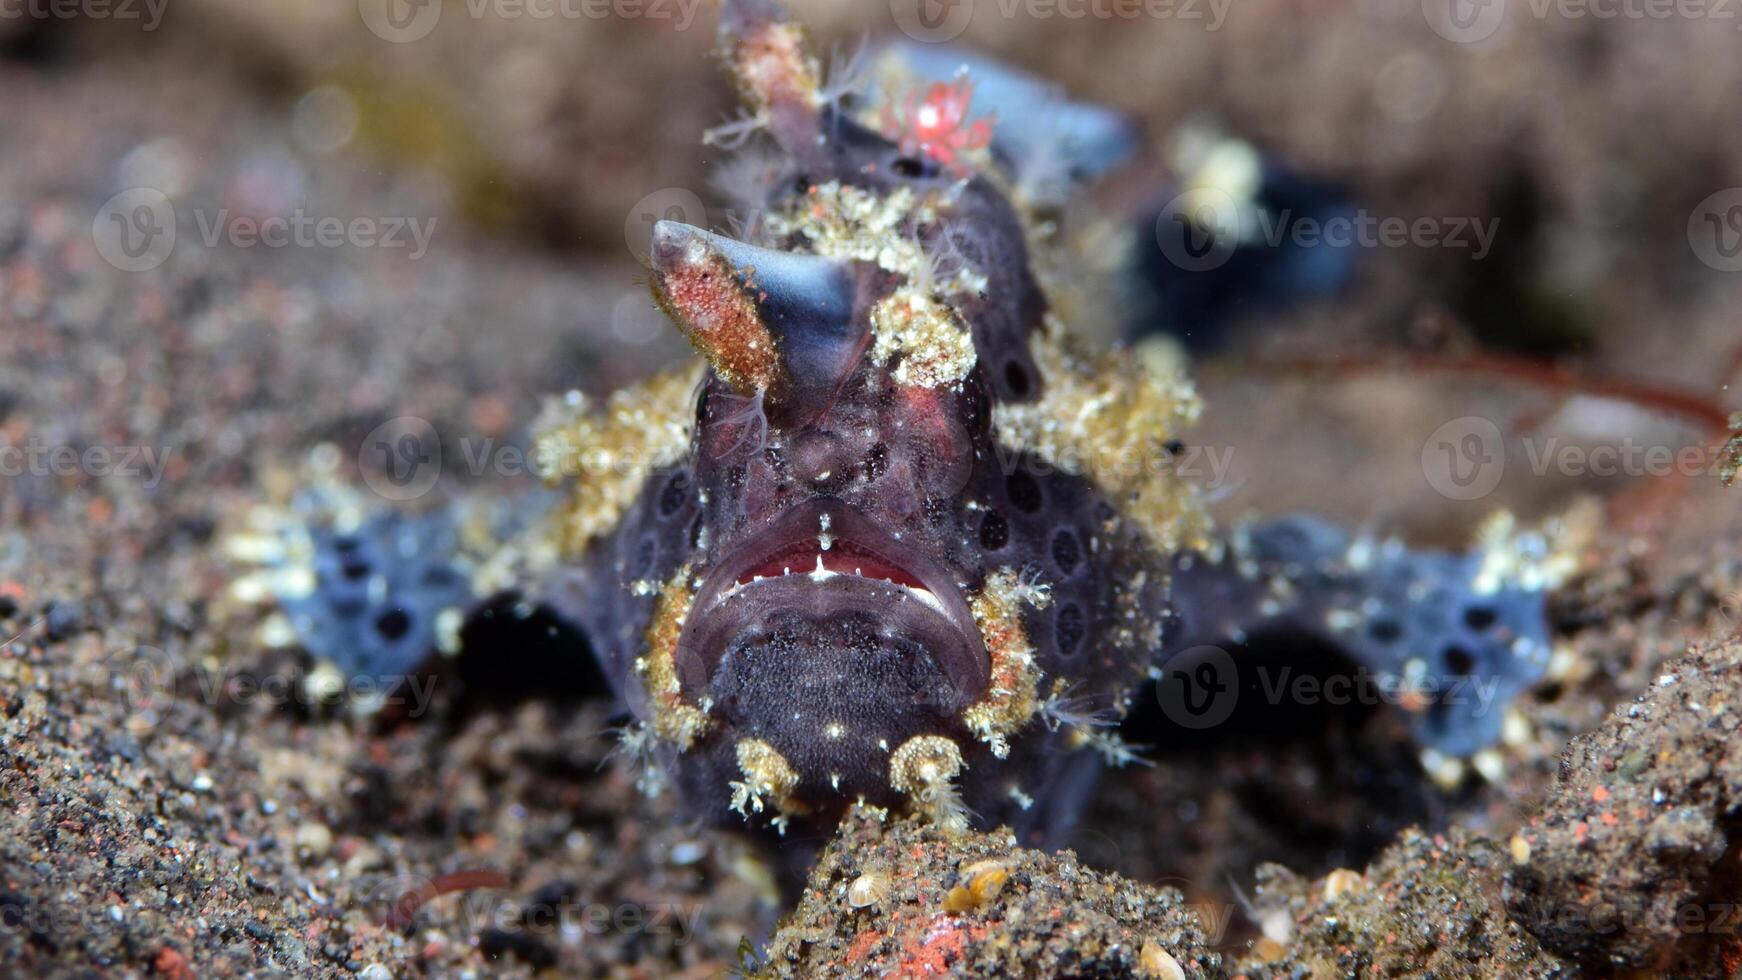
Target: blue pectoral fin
[[1446, 638], [383, 599]]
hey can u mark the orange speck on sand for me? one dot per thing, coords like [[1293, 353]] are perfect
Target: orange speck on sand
[[1732, 957], [1600, 794], [945, 941], [1581, 831], [169, 962], [862, 945]]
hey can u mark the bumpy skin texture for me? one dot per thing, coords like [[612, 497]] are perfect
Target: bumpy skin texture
[[850, 587]]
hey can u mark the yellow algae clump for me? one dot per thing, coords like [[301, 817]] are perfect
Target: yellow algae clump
[[936, 347], [923, 769], [768, 779], [1110, 419], [1013, 697], [610, 453], [841, 221], [674, 719]]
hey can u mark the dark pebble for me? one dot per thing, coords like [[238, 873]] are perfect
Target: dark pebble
[[495, 943], [61, 620]]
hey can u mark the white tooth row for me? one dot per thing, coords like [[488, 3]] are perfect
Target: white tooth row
[[823, 574]]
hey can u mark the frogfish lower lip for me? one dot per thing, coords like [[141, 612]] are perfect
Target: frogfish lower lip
[[823, 558]]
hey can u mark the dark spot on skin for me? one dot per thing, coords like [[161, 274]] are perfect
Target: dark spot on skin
[[877, 461], [645, 556], [1068, 629], [675, 494], [1459, 661], [1480, 618], [355, 570], [1066, 552], [440, 578], [393, 624], [1385, 631], [912, 168], [937, 510], [1016, 378], [1024, 492], [994, 532]]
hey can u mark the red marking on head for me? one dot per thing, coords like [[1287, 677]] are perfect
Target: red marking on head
[[937, 124]]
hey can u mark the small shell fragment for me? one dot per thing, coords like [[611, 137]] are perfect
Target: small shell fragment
[[867, 889], [1341, 882], [1157, 962], [1520, 849], [981, 882]]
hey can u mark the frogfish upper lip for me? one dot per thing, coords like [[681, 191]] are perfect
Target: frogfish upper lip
[[816, 551]]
